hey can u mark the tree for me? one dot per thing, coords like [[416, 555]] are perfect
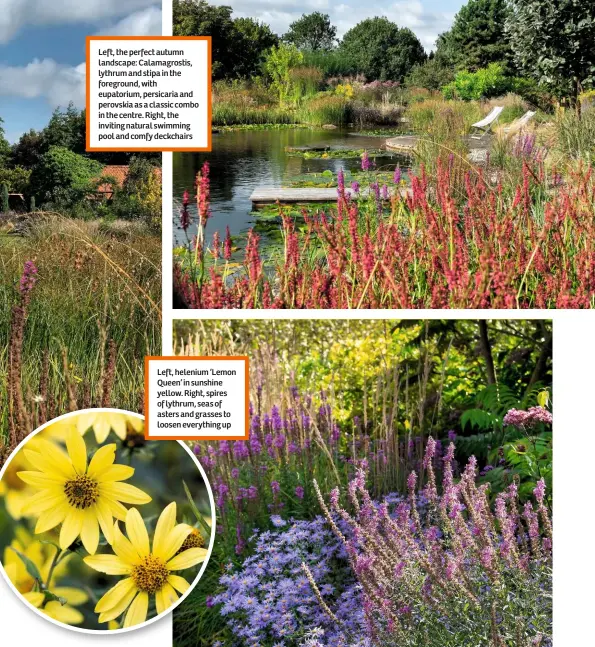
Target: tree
[[4, 206], [477, 37], [198, 18], [63, 177], [312, 32], [252, 41], [379, 50], [431, 75], [27, 151], [4, 145], [67, 129], [278, 65], [554, 42]]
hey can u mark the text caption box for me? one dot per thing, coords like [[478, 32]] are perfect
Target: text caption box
[[149, 93], [197, 398]]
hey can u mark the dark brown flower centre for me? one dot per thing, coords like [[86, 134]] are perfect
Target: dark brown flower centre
[[82, 492], [150, 575], [194, 540]]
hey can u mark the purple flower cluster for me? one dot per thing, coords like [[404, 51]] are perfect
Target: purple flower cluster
[[453, 564], [530, 418], [269, 600], [28, 280]]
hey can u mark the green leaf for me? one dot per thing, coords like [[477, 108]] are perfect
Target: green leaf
[[199, 517], [52, 597], [29, 565]]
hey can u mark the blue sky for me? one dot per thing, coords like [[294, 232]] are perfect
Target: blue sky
[[42, 52], [42, 42]]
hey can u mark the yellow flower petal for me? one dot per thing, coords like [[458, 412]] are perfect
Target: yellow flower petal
[[165, 524], [116, 473], [71, 594], [35, 598], [71, 527], [119, 608], [40, 463], [90, 530], [42, 501], [102, 459], [77, 451], [55, 458], [137, 612], [164, 598], [187, 559], [101, 427], [104, 516], [64, 614], [115, 507], [40, 479], [137, 532], [179, 583], [125, 492], [84, 421], [118, 424], [174, 541], [52, 517], [123, 548], [115, 595], [110, 564]]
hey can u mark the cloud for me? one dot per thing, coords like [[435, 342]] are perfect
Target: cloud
[[146, 22], [59, 84], [279, 14], [16, 14]]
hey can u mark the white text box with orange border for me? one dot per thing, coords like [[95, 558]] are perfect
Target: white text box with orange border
[[197, 398], [149, 93]]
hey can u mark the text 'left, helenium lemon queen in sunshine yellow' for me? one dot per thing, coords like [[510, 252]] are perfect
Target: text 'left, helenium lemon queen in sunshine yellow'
[[67, 498]]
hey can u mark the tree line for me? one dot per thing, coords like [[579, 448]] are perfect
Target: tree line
[[549, 43]]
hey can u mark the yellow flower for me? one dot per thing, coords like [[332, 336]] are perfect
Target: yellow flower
[[15, 492], [42, 555], [149, 570], [103, 421], [78, 495]]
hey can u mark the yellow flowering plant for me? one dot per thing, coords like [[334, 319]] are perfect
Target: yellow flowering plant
[[83, 513]]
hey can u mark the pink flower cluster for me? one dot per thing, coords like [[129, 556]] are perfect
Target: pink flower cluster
[[530, 418]]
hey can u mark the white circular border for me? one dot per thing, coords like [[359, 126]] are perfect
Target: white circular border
[[122, 630]]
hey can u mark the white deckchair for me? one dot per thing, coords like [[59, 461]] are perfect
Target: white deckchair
[[520, 123], [485, 124]]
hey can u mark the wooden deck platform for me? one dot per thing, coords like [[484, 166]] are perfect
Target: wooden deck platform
[[271, 195]]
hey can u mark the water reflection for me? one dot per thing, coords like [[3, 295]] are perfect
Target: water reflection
[[242, 160]]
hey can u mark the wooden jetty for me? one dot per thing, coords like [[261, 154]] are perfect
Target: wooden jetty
[[271, 195]]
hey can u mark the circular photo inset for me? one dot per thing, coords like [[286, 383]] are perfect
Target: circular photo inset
[[100, 529]]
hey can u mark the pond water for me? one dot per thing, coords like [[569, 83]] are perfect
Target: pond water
[[242, 160]]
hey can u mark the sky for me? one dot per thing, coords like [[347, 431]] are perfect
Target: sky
[[42, 42]]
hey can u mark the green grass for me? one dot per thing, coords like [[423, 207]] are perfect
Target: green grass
[[227, 114], [325, 109]]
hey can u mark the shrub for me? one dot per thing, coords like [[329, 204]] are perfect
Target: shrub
[[279, 63], [463, 573], [16, 178], [63, 177], [483, 84]]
